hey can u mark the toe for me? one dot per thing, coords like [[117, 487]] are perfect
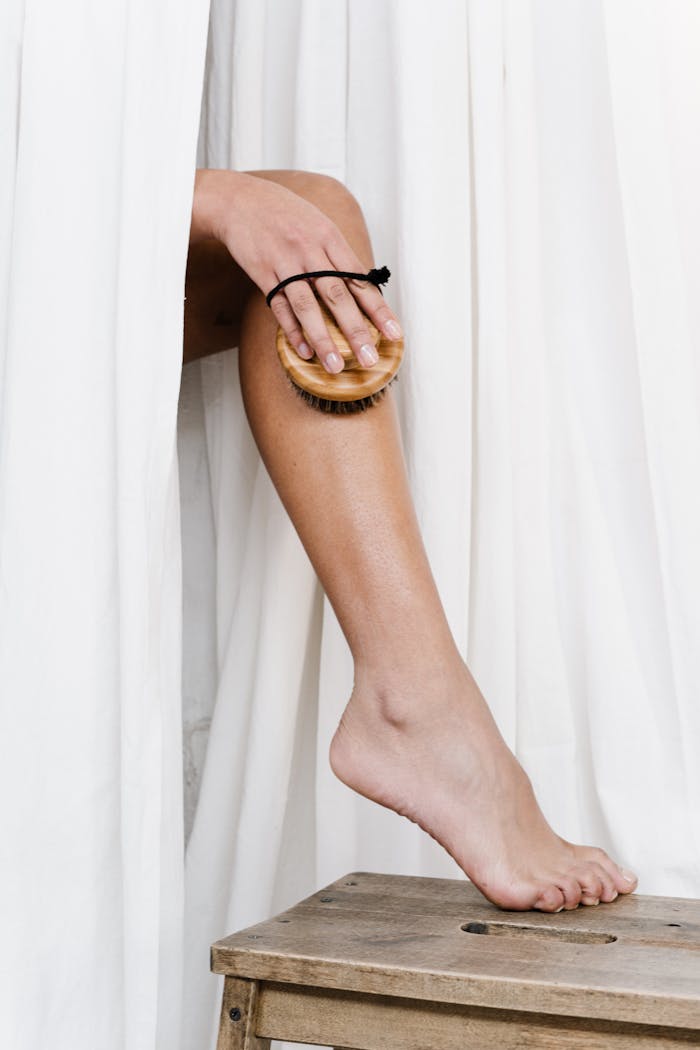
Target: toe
[[626, 881], [590, 879], [571, 889], [622, 881], [609, 890], [549, 898]]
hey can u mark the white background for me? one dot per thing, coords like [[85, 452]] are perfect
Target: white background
[[529, 171]]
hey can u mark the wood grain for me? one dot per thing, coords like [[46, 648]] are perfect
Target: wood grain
[[402, 937], [239, 1009], [354, 382], [378, 1022]]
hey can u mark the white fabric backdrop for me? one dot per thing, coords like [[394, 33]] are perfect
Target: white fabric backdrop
[[99, 105], [529, 171]]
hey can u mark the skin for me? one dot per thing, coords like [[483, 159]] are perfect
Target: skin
[[417, 735]]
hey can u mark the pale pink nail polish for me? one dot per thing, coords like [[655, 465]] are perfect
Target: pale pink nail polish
[[392, 330], [305, 351], [367, 356], [334, 363]]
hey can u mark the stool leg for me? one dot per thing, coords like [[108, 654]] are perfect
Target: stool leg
[[238, 1016]]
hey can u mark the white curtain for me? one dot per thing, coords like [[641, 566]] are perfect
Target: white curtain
[[529, 171], [99, 105]]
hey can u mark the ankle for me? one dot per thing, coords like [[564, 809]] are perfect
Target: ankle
[[412, 690]]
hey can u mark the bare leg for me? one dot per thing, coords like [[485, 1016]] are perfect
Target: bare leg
[[417, 735]]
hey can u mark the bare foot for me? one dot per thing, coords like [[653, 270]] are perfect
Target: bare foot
[[429, 749]]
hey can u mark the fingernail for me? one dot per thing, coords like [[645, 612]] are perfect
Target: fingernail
[[628, 876], [559, 909], [367, 355], [334, 362], [305, 351], [392, 330]]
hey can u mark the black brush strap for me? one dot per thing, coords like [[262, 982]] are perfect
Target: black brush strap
[[376, 277]]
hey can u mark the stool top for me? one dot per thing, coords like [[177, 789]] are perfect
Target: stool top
[[636, 959]]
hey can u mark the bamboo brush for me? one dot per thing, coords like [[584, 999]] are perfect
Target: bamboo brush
[[355, 389]]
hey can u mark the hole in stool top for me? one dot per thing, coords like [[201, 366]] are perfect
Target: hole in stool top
[[552, 933]]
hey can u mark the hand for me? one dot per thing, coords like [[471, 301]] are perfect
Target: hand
[[273, 233]]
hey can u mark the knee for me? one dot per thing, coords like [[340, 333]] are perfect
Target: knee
[[331, 197], [328, 194]]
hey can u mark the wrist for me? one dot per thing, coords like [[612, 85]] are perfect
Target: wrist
[[211, 202]]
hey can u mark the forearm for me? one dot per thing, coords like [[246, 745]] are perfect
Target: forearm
[[273, 228], [213, 193]]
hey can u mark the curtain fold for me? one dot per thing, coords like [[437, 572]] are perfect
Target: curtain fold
[[529, 171], [97, 152]]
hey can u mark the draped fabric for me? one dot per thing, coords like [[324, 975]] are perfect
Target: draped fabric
[[99, 106], [529, 171]]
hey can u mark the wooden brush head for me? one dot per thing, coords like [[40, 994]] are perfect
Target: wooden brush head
[[354, 383]]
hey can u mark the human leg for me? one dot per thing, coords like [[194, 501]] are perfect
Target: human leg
[[417, 735]]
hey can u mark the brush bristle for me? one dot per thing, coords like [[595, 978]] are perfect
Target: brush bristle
[[342, 408]]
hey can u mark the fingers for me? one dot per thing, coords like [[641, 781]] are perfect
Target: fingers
[[373, 304], [352, 323], [304, 306], [368, 297], [350, 301], [289, 324], [298, 312]]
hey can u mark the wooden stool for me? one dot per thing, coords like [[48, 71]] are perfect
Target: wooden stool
[[385, 962]]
